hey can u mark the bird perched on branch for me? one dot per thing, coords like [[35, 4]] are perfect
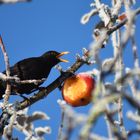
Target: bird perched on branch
[[34, 68]]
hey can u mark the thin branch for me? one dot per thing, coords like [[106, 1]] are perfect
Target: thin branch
[[12, 1], [136, 64], [16, 80], [7, 65], [60, 130]]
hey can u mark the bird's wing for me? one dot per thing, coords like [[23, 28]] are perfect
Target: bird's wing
[[31, 68]]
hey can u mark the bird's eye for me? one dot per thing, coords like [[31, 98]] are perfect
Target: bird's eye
[[52, 53]]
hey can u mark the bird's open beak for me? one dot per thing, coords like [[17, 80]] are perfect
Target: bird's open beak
[[61, 54]]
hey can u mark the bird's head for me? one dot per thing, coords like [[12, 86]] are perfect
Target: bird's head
[[54, 57]]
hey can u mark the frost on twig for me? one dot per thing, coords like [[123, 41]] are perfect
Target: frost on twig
[[104, 12], [87, 16], [16, 80], [12, 1], [25, 123], [7, 66]]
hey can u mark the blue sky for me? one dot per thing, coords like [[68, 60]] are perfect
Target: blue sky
[[30, 29]]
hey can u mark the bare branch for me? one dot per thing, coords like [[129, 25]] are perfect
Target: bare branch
[[7, 65]]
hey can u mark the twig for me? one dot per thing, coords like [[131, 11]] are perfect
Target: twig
[[69, 128], [103, 13], [16, 80], [135, 53], [109, 127], [133, 116], [115, 130], [117, 6], [70, 120], [60, 130], [116, 41], [12, 1], [7, 65], [130, 74], [85, 18], [136, 65], [97, 137], [10, 127]]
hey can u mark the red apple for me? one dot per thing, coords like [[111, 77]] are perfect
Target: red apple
[[77, 90]]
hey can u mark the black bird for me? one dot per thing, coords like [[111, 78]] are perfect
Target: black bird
[[34, 68]]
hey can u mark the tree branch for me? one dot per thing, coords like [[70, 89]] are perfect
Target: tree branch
[[43, 93], [7, 65]]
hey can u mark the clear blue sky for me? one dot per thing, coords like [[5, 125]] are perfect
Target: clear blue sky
[[30, 29]]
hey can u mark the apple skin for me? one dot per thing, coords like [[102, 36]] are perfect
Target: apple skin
[[77, 90]]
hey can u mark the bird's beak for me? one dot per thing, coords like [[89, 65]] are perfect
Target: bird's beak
[[61, 54]]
